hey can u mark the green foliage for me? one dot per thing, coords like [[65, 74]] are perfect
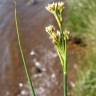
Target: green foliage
[[82, 22], [86, 85], [80, 13]]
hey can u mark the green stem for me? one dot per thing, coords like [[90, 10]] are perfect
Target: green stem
[[64, 49], [58, 21], [60, 28], [59, 54], [65, 68], [22, 55]]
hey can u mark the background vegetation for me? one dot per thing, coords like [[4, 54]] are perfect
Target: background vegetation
[[81, 21]]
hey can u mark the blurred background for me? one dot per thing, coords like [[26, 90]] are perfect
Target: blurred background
[[41, 56]]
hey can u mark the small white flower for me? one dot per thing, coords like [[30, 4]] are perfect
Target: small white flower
[[58, 33], [61, 6], [51, 7], [50, 29], [66, 34]]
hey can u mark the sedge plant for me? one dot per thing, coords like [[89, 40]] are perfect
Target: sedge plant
[[59, 37], [22, 54]]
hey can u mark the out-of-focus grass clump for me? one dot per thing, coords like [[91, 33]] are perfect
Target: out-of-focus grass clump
[[81, 13], [82, 22]]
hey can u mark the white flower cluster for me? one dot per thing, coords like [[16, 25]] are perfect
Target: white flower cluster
[[55, 7], [66, 34], [53, 34], [50, 29]]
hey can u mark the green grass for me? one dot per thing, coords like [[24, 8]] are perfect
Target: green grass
[[28, 77], [81, 21], [80, 13]]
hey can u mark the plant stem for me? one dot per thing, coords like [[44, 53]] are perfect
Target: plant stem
[[58, 21], [22, 55], [60, 57], [65, 68], [63, 60], [64, 44]]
